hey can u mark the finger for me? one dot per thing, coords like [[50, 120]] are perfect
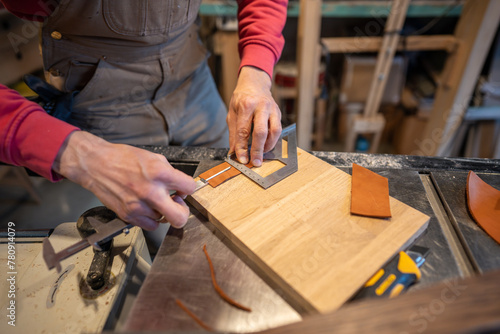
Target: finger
[[174, 179], [174, 209], [163, 159], [140, 209], [144, 222], [275, 130], [243, 130], [159, 217], [141, 214], [231, 124], [259, 136], [130, 210]]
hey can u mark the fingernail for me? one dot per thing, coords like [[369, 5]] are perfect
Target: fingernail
[[243, 160], [256, 162]]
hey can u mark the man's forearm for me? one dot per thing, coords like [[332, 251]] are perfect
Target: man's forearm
[[29, 137]]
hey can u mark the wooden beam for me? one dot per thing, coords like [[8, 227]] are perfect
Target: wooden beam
[[386, 55], [308, 55], [371, 121], [474, 32], [226, 45], [373, 44]]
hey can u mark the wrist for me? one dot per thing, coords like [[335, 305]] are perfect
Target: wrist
[[255, 75], [77, 149]]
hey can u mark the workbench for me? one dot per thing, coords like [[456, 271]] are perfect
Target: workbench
[[435, 186]]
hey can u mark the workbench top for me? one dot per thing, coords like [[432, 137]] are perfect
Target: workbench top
[[435, 186]]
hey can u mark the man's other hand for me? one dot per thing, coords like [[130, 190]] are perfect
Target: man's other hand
[[253, 104]]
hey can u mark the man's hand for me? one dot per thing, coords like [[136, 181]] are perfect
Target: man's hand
[[132, 182], [252, 103]]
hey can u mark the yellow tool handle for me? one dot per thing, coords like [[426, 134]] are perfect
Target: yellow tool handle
[[395, 277]]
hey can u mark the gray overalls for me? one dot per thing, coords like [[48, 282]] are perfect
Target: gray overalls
[[140, 69]]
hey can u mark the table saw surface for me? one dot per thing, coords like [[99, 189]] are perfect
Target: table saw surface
[[434, 186]]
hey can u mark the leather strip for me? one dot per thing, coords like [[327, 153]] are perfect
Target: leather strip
[[483, 202], [193, 316], [369, 193], [218, 288], [219, 179]]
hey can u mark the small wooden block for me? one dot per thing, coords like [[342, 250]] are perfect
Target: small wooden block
[[369, 193]]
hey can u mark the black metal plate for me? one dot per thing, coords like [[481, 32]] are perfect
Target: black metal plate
[[484, 252]]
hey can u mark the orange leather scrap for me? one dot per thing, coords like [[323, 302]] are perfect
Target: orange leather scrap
[[218, 288], [219, 179], [484, 205], [369, 193], [193, 316]]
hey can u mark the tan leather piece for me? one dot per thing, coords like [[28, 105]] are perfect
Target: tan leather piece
[[369, 193], [219, 179], [484, 205]]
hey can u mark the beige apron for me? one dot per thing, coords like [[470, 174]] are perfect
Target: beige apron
[[140, 70]]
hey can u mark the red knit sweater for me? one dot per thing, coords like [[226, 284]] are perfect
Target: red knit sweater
[[30, 137]]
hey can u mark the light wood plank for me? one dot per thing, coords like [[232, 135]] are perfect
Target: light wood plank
[[373, 44], [385, 56], [300, 236], [226, 45], [380, 77], [308, 67]]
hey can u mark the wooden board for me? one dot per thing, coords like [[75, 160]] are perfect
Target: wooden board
[[300, 235]]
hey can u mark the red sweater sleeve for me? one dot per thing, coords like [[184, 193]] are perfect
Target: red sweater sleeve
[[260, 29], [29, 137], [34, 10]]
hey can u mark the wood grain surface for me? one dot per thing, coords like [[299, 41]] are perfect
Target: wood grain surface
[[299, 234]]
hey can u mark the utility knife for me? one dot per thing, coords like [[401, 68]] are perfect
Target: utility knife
[[397, 275]]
